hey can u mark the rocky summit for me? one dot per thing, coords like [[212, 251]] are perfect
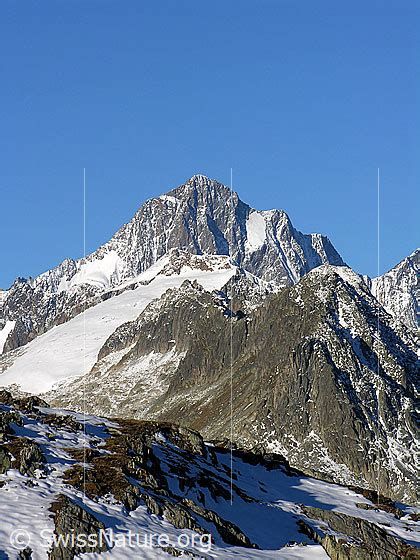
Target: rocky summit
[[210, 352], [202, 217], [399, 290]]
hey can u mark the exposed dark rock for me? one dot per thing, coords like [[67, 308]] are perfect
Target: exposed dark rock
[[84, 455], [72, 519], [132, 458], [385, 507], [8, 417], [29, 404], [27, 454], [229, 532], [65, 421], [295, 373], [25, 554], [359, 539], [5, 460], [23, 404], [6, 397]]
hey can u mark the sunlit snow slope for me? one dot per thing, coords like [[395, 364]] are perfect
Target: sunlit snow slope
[[71, 349], [277, 514]]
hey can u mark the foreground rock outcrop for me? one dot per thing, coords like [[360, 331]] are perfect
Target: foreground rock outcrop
[[151, 476]]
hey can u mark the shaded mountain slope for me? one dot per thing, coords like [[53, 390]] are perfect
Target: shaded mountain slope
[[310, 377]]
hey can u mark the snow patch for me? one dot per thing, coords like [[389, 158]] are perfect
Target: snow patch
[[170, 199], [71, 349], [4, 333], [255, 231], [269, 517], [99, 273]]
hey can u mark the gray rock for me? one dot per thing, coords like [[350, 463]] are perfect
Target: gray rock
[[349, 538], [305, 377], [5, 461], [28, 457], [201, 217], [72, 519], [398, 290]]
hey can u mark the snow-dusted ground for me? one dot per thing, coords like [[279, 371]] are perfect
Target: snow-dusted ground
[[269, 518], [26, 508], [71, 349]]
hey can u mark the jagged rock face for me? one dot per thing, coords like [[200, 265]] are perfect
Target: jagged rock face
[[34, 307], [360, 539], [71, 349], [146, 353], [203, 217], [71, 519], [399, 291], [306, 378]]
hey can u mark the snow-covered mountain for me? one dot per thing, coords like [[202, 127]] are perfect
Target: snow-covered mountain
[[308, 372], [202, 217], [72, 484], [199, 287], [398, 290], [71, 349], [205, 217]]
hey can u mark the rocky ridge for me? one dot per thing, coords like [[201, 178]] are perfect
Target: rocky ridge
[[201, 217], [306, 376], [310, 371], [398, 291]]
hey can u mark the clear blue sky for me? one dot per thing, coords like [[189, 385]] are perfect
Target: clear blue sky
[[303, 99]]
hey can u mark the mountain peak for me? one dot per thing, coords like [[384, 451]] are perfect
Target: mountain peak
[[201, 217], [414, 257], [202, 180], [398, 290], [204, 186]]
